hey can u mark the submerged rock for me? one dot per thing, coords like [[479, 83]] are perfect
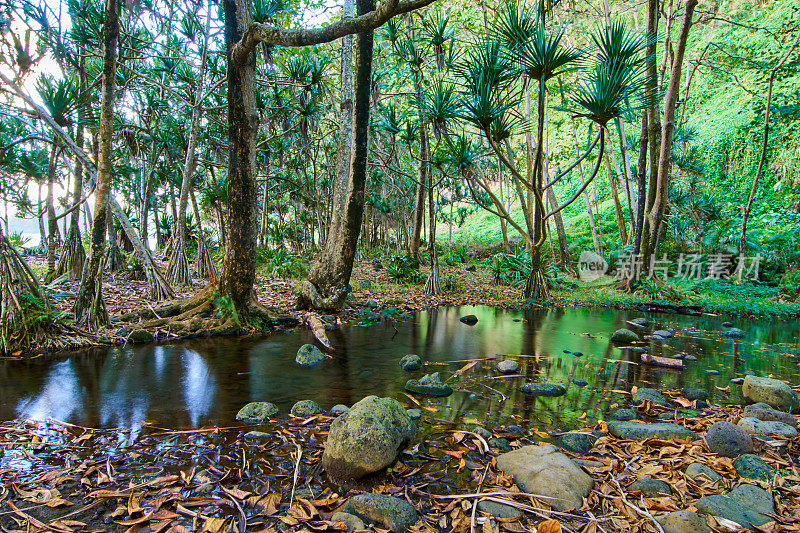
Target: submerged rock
[[624, 335], [727, 439], [256, 412], [543, 389], [755, 426], [499, 443], [773, 392], [645, 430], [642, 322], [747, 505], [752, 466], [390, 512], [546, 471], [367, 438], [306, 408], [430, 384], [734, 333], [483, 432], [683, 522], [309, 355], [469, 320], [414, 414], [509, 366], [411, 362]]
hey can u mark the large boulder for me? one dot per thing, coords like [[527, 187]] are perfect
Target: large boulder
[[390, 512], [747, 505], [773, 392], [546, 471], [430, 385], [624, 335], [725, 438], [309, 355], [256, 412], [754, 426], [367, 438], [646, 430]]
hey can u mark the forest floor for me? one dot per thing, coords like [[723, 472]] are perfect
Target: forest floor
[[63, 478]]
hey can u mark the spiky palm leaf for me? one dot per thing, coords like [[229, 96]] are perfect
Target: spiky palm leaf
[[541, 56], [60, 97], [265, 11], [438, 34], [440, 105]]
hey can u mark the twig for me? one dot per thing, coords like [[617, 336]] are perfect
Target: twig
[[646, 514], [297, 471]]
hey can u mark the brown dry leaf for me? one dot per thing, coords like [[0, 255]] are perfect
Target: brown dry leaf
[[549, 526], [213, 525]]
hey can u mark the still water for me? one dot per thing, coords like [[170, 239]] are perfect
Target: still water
[[205, 381]]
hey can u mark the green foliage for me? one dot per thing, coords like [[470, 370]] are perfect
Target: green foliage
[[790, 285], [404, 269], [511, 268], [18, 240], [282, 264], [451, 282]]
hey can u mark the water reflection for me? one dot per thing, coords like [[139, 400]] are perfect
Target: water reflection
[[206, 381]]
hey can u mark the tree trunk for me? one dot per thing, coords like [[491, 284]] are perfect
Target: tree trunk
[[178, 266], [656, 216], [327, 283], [344, 149], [52, 223], [239, 265], [89, 306], [73, 254], [612, 182], [762, 160]]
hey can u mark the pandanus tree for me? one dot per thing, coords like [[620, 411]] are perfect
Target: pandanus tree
[[525, 46]]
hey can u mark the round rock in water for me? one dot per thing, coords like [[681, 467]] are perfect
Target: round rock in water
[[256, 412], [663, 333], [591, 266], [576, 442], [509, 366], [624, 335], [469, 320], [727, 324], [411, 362], [309, 355], [414, 414], [734, 333], [543, 389], [306, 408], [367, 438], [430, 385], [642, 322], [694, 394], [653, 395], [339, 409], [580, 382], [725, 438]]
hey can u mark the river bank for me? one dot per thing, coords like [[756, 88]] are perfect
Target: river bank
[[667, 477]]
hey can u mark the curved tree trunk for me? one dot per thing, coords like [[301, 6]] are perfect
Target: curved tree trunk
[[344, 151], [73, 254], [327, 283]]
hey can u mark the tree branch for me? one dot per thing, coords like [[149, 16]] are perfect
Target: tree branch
[[260, 33]]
